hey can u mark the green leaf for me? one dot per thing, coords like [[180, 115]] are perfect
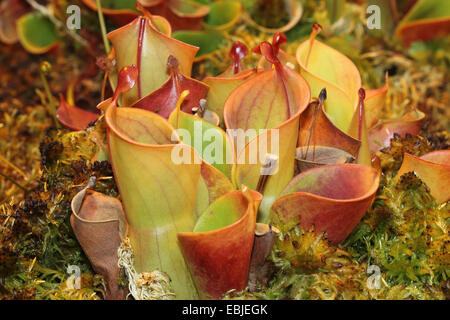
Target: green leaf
[[221, 213], [118, 4], [36, 33], [223, 14], [429, 9], [208, 41], [426, 20], [248, 4], [210, 135]]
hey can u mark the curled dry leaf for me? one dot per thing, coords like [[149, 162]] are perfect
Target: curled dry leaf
[[219, 248], [432, 168], [316, 156], [74, 117], [272, 102], [333, 198], [98, 222]]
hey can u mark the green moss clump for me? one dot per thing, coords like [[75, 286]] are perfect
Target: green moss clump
[[37, 242]]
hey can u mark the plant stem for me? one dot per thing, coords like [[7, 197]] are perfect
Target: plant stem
[[394, 10], [14, 182], [11, 165], [43, 71], [316, 29], [318, 106], [270, 161], [102, 27]]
